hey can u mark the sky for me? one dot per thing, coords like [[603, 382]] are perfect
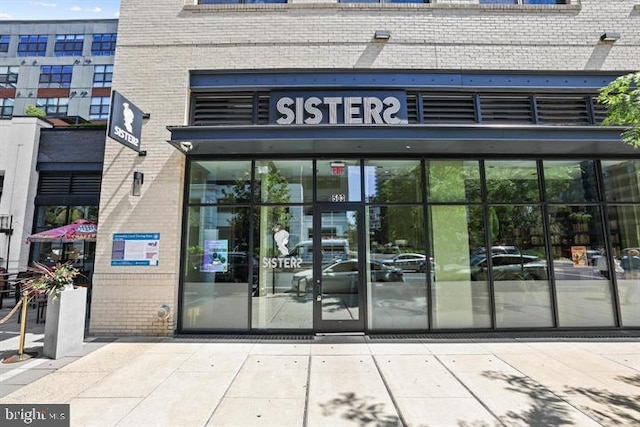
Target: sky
[[58, 9]]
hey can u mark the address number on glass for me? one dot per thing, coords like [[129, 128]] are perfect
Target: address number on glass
[[338, 198]]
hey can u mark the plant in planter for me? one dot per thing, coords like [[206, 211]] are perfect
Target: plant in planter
[[51, 280], [66, 307]]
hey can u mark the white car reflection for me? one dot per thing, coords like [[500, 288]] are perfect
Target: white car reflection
[[341, 277]]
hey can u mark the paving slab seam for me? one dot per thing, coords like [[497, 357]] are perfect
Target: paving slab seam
[[246, 358], [470, 392], [393, 400], [549, 390], [305, 414]]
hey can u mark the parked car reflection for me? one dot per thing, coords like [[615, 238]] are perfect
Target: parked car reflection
[[341, 277], [408, 262]]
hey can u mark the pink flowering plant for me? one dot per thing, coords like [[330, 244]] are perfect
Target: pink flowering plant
[[51, 280]]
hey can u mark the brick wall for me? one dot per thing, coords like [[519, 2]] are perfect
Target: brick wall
[[159, 42]]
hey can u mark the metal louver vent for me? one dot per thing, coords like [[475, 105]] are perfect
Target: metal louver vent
[[85, 184], [448, 108], [263, 108], [223, 108], [599, 112], [506, 108], [54, 184], [563, 110], [412, 107]]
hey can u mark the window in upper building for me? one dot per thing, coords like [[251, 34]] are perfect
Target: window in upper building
[[6, 108], [8, 77], [103, 44], [102, 75], [53, 106], [384, 1], [69, 45], [523, 1], [99, 108], [240, 1], [4, 43], [35, 45], [55, 76]]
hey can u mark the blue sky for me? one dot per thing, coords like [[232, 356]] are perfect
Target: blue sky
[[58, 9]]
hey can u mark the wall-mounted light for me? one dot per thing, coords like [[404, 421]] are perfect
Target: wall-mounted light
[[30, 94], [24, 61], [35, 62], [138, 180], [186, 146], [84, 93], [610, 36], [87, 61], [73, 93], [382, 35], [18, 94], [76, 61]]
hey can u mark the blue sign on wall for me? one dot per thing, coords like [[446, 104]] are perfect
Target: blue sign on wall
[[338, 107], [135, 249]]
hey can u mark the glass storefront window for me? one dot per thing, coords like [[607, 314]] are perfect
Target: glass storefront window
[[624, 226], [284, 181], [583, 292], [397, 283], [220, 272], [518, 267], [454, 181], [460, 298], [220, 182], [512, 181], [390, 181], [283, 298], [621, 180], [570, 181], [338, 181]]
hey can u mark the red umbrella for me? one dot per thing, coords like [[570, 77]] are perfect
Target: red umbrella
[[78, 230]]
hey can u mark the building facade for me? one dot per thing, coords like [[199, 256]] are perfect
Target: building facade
[[62, 67], [369, 167]]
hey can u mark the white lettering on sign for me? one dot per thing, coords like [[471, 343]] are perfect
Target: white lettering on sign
[[355, 110], [121, 133], [286, 262]]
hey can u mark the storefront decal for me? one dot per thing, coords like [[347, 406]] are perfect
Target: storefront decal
[[281, 238], [314, 108], [135, 249], [216, 256], [579, 256]]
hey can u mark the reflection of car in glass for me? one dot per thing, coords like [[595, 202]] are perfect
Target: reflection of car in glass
[[479, 254], [332, 250], [408, 261], [504, 267], [341, 277]]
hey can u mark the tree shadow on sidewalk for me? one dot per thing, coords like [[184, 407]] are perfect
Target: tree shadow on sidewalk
[[546, 408], [620, 409], [361, 410]]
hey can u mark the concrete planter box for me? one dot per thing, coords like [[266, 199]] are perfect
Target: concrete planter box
[[64, 327]]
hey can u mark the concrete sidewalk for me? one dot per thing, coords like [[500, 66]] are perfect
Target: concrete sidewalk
[[344, 381]]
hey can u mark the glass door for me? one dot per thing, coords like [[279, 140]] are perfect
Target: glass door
[[339, 269]]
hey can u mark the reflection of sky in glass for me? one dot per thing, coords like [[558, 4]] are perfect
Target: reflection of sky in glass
[[353, 178], [370, 183]]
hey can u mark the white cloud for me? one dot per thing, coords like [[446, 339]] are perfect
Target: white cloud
[[77, 8], [43, 4], [117, 14], [5, 16]]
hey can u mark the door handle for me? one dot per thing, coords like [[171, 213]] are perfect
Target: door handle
[[319, 291]]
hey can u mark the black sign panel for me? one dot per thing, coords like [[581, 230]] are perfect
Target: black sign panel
[[125, 121]]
